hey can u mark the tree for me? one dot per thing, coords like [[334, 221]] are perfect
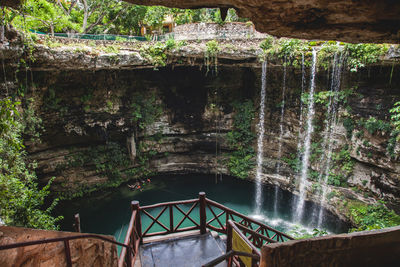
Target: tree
[[45, 16], [21, 201], [155, 16]]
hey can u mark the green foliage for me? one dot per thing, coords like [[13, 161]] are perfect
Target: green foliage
[[395, 115], [112, 49], [294, 162], [144, 109], [211, 55], [360, 55], [32, 124], [323, 97], [342, 167], [240, 139], [348, 124], [373, 125], [394, 136], [107, 159], [298, 233], [289, 49], [326, 54], [156, 53], [155, 16], [369, 217], [21, 201]]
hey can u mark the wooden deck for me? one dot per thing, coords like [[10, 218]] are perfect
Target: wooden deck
[[192, 250]]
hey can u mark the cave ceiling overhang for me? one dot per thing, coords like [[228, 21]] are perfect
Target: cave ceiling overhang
[[343, 20]]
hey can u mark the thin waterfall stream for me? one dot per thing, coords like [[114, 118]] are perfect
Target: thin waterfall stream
[[260, 143], [330, 124], [301, 116], [278, 166], [307, 142]]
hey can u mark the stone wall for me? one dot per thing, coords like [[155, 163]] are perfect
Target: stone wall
[[209, 31], [369, 248], [84, 252]]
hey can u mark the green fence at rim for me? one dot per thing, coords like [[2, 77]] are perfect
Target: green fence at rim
[[107, 37]]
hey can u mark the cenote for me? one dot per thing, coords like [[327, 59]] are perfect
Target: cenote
[[109, 212]]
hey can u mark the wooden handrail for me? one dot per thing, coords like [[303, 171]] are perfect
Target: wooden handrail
[[235, 213], [252, 232], [234, 227], [134, 236], [163, 204], [66, 240], [127, 240], [228, 255]]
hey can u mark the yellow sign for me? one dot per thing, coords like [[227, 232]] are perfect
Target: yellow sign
[[239, 244]]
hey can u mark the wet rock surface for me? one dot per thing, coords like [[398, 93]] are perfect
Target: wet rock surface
[[86, 108]]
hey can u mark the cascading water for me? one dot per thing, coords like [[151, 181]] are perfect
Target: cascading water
[[260, 138], [330, 124], [303, 86], [307, 141], [278, 166]]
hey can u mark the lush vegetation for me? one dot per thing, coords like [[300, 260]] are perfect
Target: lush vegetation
[[369, 217], [211, 55], [21, 199], [395, 116], [103, 16], [292, 52], [240, 139]]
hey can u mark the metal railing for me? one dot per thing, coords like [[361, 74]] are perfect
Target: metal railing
[[109, 37]]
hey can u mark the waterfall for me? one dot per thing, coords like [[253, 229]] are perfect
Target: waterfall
[[260, 138], [303, 86], [307, 141], [278, 166], [330, 123]]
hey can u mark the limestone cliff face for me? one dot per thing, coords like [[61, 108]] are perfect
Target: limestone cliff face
[[91, 105]]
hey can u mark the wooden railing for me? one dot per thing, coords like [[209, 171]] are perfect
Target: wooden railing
[[233, 226], [229, 256], [133, 238], [67, 249], [210, 215], [221, 219], [254, 229], [170, 208]]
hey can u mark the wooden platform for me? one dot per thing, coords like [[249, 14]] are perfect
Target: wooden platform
[[187, 251]]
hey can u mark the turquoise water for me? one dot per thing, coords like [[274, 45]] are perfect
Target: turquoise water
[[109, 212]]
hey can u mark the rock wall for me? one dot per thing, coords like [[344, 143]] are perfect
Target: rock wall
[[84, 252], [93, 108], [371, 248], [210, 31]]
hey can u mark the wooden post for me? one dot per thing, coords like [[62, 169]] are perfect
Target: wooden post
[[77, 224], [203, 216], [229, 237], [171, 219], [135, 206], [129, 257], [67, 253], [229, 242]]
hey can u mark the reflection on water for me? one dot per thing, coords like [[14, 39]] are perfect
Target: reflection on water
[[109, 212]]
